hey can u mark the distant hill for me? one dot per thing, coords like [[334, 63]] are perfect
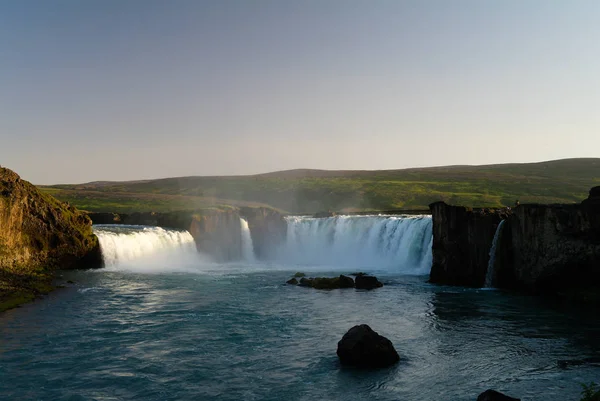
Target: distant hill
[[309, 191]]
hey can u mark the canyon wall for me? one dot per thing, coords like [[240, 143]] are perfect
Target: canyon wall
[[547, 249], [462, 238]]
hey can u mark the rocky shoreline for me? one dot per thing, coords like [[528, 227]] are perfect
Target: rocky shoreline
[[38, 234]]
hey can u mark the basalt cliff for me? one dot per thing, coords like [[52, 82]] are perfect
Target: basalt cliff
[[38, 234], [543, 249]]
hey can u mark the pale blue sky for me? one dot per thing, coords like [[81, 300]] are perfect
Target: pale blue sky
[[132, 89]]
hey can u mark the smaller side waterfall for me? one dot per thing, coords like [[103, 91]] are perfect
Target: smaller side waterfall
[[489, 275], [247, 245]]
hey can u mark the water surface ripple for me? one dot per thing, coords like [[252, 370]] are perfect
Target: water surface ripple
[[236, 334]]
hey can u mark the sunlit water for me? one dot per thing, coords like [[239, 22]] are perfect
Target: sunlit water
[[201, 331]]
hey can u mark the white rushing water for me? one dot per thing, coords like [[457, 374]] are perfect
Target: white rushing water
[[247, 245], [489, 275], [145, 247], [401, 244]]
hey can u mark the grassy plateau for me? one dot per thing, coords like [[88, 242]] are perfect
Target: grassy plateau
[[310, 191]]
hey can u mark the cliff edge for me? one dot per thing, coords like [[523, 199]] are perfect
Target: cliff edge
[[541, 249], [38, 234]]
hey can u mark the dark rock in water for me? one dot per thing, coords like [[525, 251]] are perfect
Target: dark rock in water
[[299, 274], [292, 281], [359, 274], [305, 282], [365, 348], [346, 282], [330, 283], [367, 282], [492, 395]]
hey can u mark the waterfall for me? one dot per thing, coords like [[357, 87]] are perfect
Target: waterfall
[[247, 246], [489, 275], [142, 246], [400, 244]]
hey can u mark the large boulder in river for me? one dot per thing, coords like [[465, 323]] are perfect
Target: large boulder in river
[[322, 283], [365, 282], [492, 395], [362, 347], [330, 283], [38, 234]]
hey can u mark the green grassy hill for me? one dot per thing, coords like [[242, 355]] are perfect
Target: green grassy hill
[[309, 191]]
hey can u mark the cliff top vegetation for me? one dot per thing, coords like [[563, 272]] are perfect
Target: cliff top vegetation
[[310, 191]]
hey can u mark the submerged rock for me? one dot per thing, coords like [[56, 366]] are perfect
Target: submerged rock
[[292, 281], [492, 395], [362, 347], [364, 282]]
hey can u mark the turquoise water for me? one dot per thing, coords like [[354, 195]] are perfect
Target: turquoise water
[[234, 332]]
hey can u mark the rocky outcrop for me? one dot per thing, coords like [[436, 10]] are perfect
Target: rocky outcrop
[[219, 234], [39, 234], [366, 282], [492, 395], [543, 249], [326, 283], [462, 239], [268, 229], [362, 347]]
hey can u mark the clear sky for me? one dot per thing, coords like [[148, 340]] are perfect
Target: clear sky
[[132, 89]]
